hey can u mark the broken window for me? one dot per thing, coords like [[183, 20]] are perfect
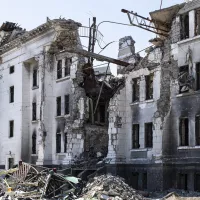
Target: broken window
[[11, 94], [149, 86], [66, 104], [34, 111], [65, 143], [58, 102], [12, 69], [59, 69], [182, 181], [135, 136], [144, 181], [11, 128], [185, 26], [136, 89], [58, 142], [148, 135], [198, 76], [197, 130], [68, 63], [34, 137], [197, 182], [184, 79], [34, 77], [101, 115], [197, 22], [184, 131], [10, 163]]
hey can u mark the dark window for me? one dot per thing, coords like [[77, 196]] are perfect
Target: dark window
[[34, 137], [197, 22], [184, 131], [102, 112], [136, 89], [134, 180], [149, 86], [185, 26], [197, 130], [65, 144], [58, 143], [148, 135], [66, 104], [144, 181], [197, 182], [58, 102], [34, 77], [183, 181], [12, 69], [11, 127], [135, 136], [12, 94], [59, 69], [183, 79], [10, 163], [198, 76], [68, 63], [34, 111]]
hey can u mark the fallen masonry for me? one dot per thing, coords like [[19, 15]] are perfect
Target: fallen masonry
[[109, 187], [34, 182], [27, 182]]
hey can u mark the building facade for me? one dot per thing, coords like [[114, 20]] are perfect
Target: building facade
[[50, 110], [154, 118], [38, 87]]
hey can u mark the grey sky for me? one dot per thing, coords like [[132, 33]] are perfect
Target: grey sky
[[29, 14]]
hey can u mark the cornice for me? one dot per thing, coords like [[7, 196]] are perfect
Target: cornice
[[57, 24]]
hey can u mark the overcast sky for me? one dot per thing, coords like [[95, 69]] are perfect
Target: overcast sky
[[31, 13]]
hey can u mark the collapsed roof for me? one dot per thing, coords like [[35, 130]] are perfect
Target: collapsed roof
[[162, 19]]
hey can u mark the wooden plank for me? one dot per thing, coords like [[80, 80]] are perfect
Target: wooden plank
[[87, 54]]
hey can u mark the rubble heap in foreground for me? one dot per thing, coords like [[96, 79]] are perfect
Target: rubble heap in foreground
[[109, 187]]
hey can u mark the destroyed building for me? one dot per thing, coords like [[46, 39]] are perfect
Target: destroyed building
[[47, 109], [154, 119]]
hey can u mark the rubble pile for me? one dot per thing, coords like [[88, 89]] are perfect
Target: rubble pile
[[27, 182], [108, 187]]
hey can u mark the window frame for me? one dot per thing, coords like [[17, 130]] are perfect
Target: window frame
[[12, 94], [35, 77], [149, 90], [186, 134], [198, 76], [136, 139], [67, 104], [34, 144], [135, 87], [183, 69], [68, 63], [34, 111], [58, 139], [11, 128], [11, 69], [59, 69], [58, 106], [197, 130], [148, 144]]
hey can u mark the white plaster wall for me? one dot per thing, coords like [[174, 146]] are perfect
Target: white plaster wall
[[121, 104], [20, 110]]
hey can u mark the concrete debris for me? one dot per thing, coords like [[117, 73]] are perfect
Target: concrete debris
[[27, 182], [108, 187]]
